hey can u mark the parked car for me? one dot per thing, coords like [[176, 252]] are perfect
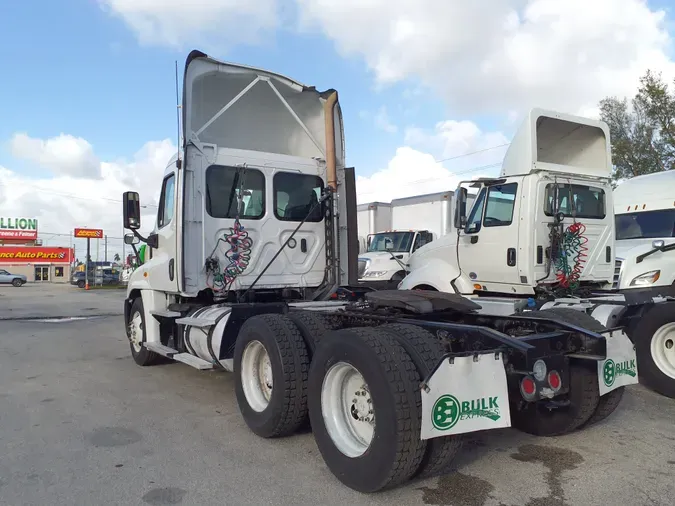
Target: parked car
[[7, 278], [101, 277]]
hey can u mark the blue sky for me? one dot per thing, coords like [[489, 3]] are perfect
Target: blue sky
[[88, 91], [81, 71]]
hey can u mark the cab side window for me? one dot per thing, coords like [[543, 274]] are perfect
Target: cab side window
[[166, 202], [476, 214], [500, 205]]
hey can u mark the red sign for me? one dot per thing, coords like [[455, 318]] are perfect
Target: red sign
[[28, 235], [90, 233], [35, 255]]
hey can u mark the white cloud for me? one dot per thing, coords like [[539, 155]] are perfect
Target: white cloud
[[65, 155], [463, 150], [498, 55], [410, 172], [87, 199], [207, 23], [380, 119]]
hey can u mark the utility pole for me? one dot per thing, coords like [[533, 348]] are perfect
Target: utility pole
[[105, 255]]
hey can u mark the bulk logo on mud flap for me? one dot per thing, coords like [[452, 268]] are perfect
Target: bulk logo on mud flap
[[448, 410], [612, 370]]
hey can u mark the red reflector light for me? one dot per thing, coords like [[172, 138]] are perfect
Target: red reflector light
[[554, 380], [528, 387]]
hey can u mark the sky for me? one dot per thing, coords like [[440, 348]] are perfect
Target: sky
[[431, 91]]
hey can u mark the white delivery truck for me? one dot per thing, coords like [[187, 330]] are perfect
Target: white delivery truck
[[644, 209], [391, 232], [553, 245], [251, 268]]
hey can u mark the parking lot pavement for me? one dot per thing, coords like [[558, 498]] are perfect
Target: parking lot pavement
[[40, 300], [81, 424]]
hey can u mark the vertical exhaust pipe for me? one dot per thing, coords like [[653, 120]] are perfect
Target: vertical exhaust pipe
[[331, 159]]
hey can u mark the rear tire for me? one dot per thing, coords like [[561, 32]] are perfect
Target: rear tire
[[271, 365], [388, 449], [426, 352], [312, 327], [584, 395], [654, 338], [81, 284], [611, 400]]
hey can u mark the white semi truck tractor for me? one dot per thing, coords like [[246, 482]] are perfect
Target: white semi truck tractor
[[252, 269], [644, 208], [540, 237]]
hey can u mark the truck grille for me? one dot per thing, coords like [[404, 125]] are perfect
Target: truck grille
[[363, 263], [617, 272]]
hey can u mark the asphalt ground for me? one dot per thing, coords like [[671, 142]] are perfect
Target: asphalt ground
[[82, 424]]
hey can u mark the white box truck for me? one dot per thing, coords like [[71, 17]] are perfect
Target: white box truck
[[391, 232]]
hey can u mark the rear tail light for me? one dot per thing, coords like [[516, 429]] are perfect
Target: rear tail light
[[528, 388], [554, 380]]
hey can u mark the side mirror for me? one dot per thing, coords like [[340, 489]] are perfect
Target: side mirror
[[131, 209], [461, 196], [131, 239], [658, 243]]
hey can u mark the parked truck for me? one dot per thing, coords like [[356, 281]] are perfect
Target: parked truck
[[644, 209], [390, 232], [553, 246], [251, 268]]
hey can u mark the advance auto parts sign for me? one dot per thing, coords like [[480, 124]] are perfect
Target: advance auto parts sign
[[620, 367], [34, 255], [90, 233], [466, 396], [18, 228]]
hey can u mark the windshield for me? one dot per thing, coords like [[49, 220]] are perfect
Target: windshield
[[392, 241], [645, 225]]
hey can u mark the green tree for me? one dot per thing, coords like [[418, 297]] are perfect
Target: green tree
[[117, 257], [642, 134]]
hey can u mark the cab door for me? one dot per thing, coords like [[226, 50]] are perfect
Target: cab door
[[488, 245]]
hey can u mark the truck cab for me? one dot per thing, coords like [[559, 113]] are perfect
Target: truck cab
[[544, 225], [246, 209], [387, 254], [644, 208]]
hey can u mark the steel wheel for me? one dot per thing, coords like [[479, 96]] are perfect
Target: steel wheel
[[663, 349], [256, 375], [347, 409], [136, 331]]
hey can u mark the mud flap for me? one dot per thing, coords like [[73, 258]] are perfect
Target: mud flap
[[466, 394], [620, 367]]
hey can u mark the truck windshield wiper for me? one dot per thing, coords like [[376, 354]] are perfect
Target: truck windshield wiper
[[663, 249]]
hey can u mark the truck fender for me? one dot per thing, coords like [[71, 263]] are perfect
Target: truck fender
[[435, 274]]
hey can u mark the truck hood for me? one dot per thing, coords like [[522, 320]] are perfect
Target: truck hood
[[630, 248], [241, 107]]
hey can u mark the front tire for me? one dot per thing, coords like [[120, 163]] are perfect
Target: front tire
[[17, 283], [368, 446], [81, 284], [137, 336], [271, 364], [654, 338]]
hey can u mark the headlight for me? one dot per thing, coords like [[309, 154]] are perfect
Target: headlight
[[374, 274], [648, 278]]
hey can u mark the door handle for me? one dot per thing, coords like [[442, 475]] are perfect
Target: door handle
[[511, 257]]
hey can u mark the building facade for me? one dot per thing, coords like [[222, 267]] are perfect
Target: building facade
[[38, 263]]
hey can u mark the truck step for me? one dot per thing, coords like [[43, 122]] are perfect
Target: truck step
[[196, 322], [193, 361], [165, 313], [160, 349]]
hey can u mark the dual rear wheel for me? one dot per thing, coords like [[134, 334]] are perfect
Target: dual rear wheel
[[360, 393]]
